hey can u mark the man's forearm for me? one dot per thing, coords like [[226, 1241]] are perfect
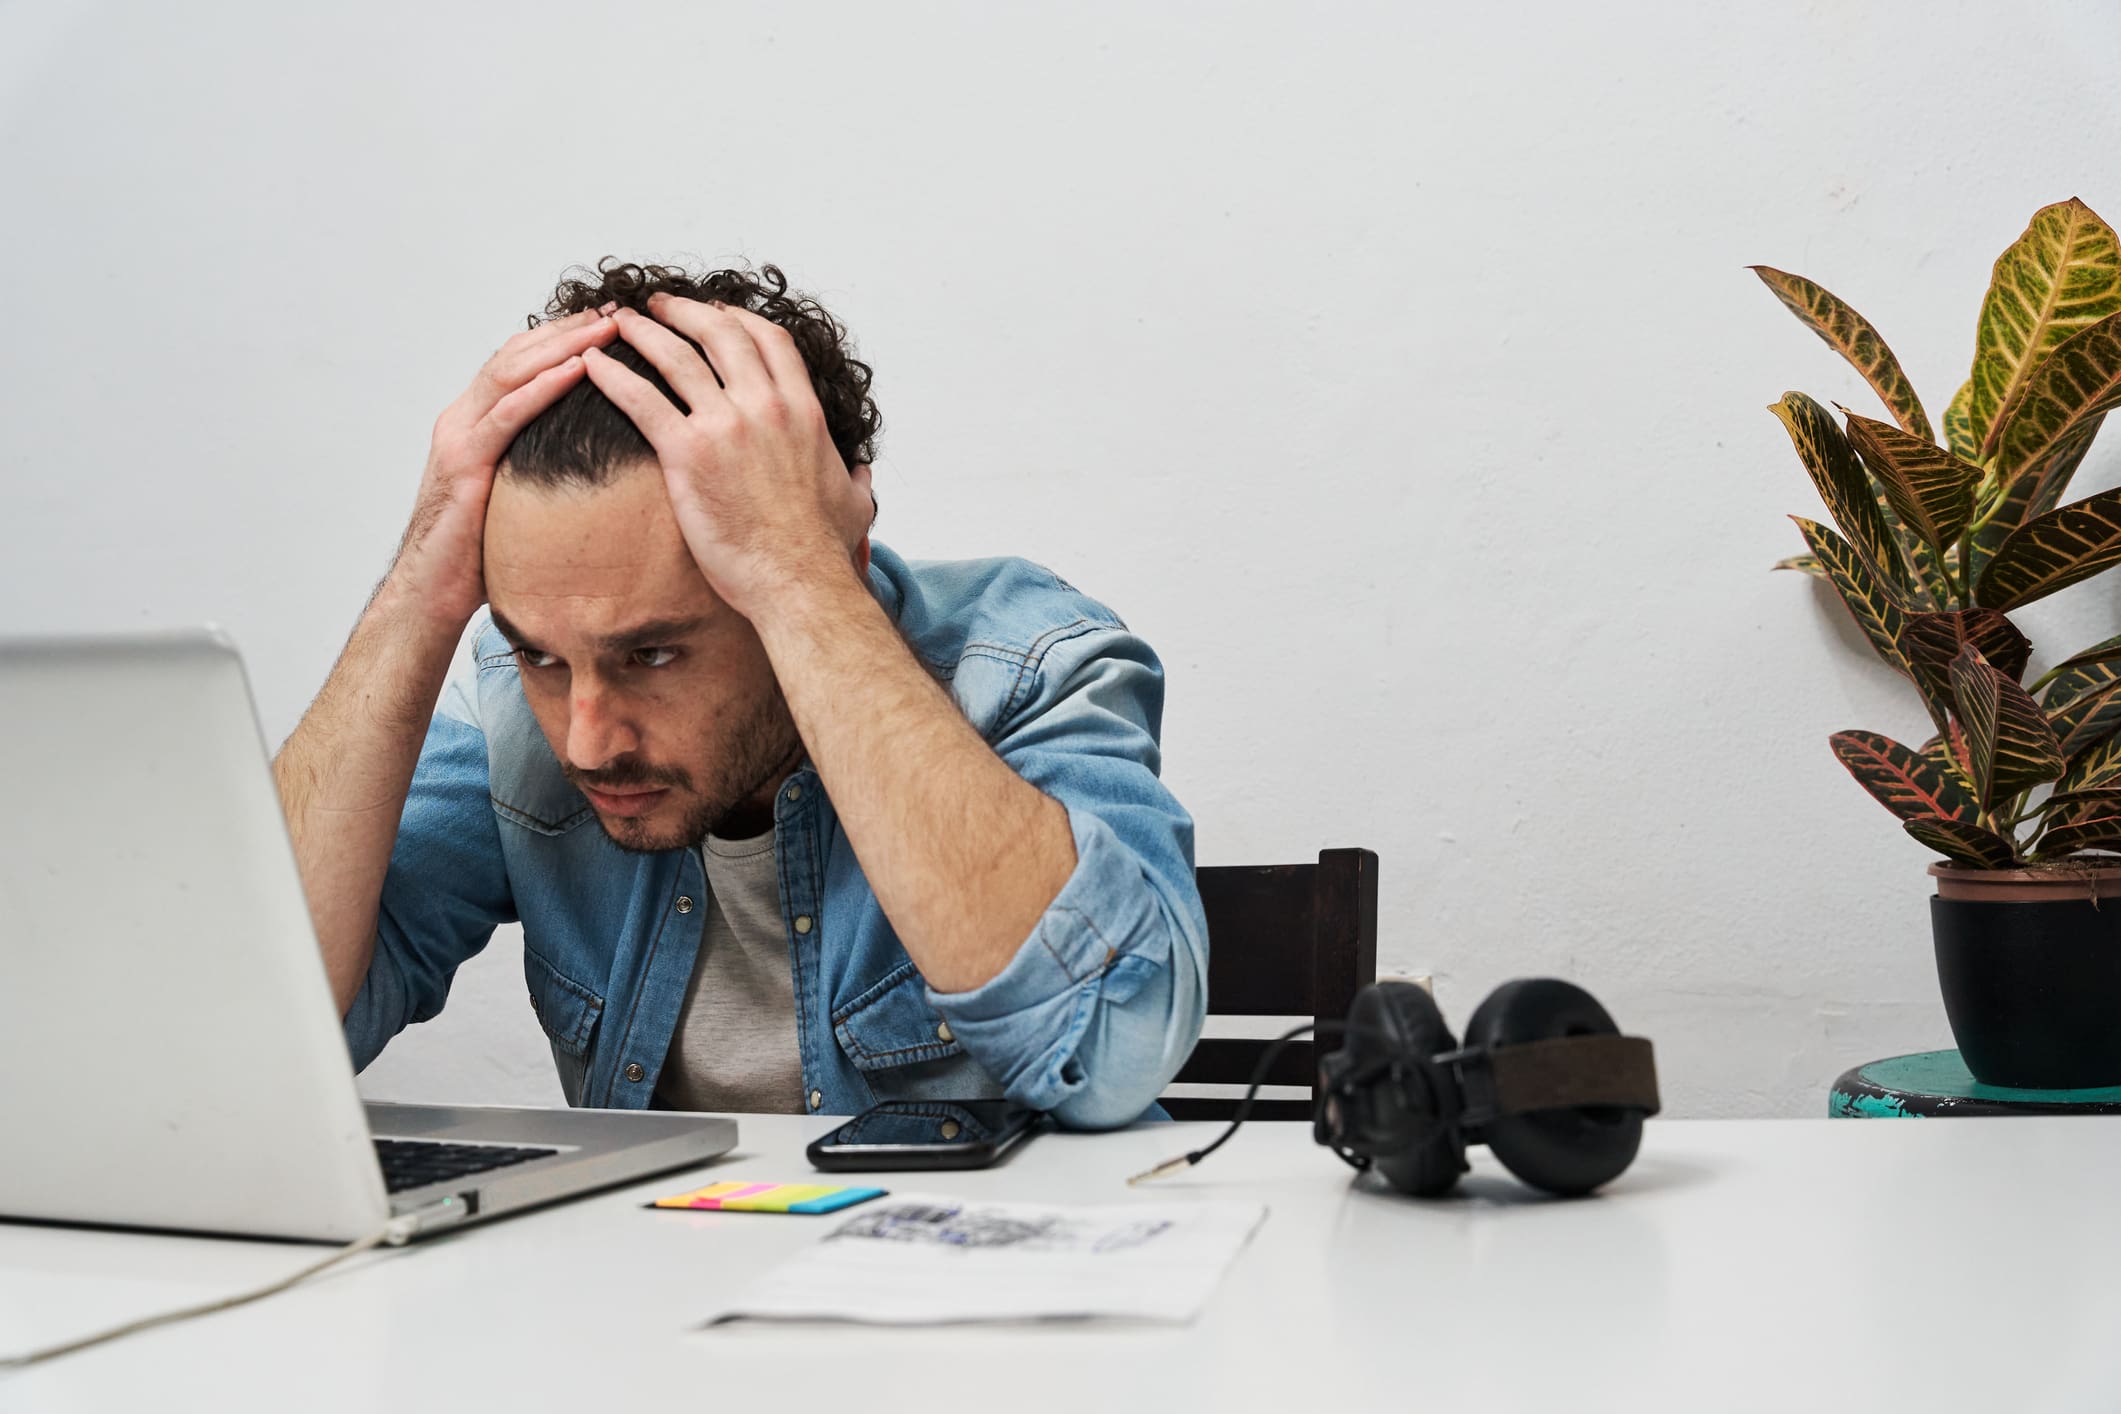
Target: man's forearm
[[963, 854], [344, 774]]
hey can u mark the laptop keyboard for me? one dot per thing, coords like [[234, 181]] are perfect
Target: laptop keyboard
[[415, 1163]]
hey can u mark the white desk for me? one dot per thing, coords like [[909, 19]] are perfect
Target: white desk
[[1792, 1265]]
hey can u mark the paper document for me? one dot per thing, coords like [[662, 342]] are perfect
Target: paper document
[[917, 1259]]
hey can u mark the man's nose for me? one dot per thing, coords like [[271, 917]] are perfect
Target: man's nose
[[598, 731]]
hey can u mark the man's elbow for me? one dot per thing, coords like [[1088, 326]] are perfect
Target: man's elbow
[[1119, 1071], [379, 1008], [1106, 1106]]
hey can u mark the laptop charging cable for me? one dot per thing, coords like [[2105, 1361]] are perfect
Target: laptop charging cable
[[396, 1233]]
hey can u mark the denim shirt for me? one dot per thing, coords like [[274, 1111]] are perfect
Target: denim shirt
[[1097, 1010]]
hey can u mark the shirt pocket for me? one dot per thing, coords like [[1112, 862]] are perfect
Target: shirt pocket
[[904, 1048], [569, 1013]]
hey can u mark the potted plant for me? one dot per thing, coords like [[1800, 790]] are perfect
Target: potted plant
[[1932, 548]]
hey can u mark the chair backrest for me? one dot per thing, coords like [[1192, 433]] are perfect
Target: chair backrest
[[1283, 940]]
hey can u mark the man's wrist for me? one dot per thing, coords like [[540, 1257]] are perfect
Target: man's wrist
[[823, 589], [408, 603], [401, 649]]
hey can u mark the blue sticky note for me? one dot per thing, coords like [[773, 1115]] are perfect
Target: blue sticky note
[[833, 1202]]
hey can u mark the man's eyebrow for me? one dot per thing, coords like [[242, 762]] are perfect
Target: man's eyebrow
[[653, 634], [514, 635]]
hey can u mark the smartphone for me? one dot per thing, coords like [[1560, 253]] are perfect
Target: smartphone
[[927, 1134]]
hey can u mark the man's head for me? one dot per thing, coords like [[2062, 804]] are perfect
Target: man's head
[[656, 697], [584, 439]]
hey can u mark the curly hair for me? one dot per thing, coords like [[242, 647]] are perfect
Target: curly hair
[[584, 438]]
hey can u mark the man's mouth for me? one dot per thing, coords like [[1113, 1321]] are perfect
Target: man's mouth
[[638, 801]]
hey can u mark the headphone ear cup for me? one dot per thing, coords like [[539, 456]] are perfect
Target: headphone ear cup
[[1399, 1018], [1567, 1152]]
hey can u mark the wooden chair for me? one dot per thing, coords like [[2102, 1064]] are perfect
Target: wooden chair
[[1283, 940]]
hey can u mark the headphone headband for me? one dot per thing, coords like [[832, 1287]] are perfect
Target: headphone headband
[[1558, 1073]]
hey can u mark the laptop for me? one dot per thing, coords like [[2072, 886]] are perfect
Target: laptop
[[170, 1054]]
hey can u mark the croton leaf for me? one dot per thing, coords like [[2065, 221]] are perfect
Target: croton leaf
[[2061, 276], [1951, 759], [2052, 473], [1937, 638], [1958, 840], [1903, 781], [2068, 806], [1931, 490], [1853, 337], [1845, 487], [1959, 425], [1929, 583], [2080, 380], [1875, 611], [2052, 552], [2099, 765], [2074, 807], [2094, 832], [2090, 714], [2008, 738], [2106, 650], [1806, 564], [1929, 642], [2007, 503]]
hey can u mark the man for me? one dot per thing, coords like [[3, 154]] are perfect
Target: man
[[790, 823]]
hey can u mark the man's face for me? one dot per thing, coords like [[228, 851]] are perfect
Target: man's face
[[656, 697]]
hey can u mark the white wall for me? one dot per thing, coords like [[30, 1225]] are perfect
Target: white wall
[[1395, 370]]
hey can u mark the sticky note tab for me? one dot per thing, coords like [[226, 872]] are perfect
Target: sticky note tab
[[730, 1197]]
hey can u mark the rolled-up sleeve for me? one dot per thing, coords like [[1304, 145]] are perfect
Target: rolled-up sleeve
[[1104, 1001], [446, 889]]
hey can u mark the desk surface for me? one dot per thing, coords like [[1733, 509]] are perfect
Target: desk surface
[[1770, 1264]]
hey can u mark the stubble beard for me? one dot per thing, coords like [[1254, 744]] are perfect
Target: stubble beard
[[747, 759]]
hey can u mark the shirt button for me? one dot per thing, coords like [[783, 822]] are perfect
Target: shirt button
[[795, 793], [802, 924], [817, 1098], [944, 1033], [634, 1072], [684, 903]]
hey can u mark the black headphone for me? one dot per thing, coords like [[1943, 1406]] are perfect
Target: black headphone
[[1544, 1079]]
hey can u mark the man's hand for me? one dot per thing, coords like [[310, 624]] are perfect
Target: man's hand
[[760, 492], [963, 854], [440, 561]]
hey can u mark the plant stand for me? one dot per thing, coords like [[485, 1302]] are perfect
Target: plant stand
[[1935, 1084]]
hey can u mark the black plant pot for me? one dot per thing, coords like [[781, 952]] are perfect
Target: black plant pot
[[2032, 985]]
